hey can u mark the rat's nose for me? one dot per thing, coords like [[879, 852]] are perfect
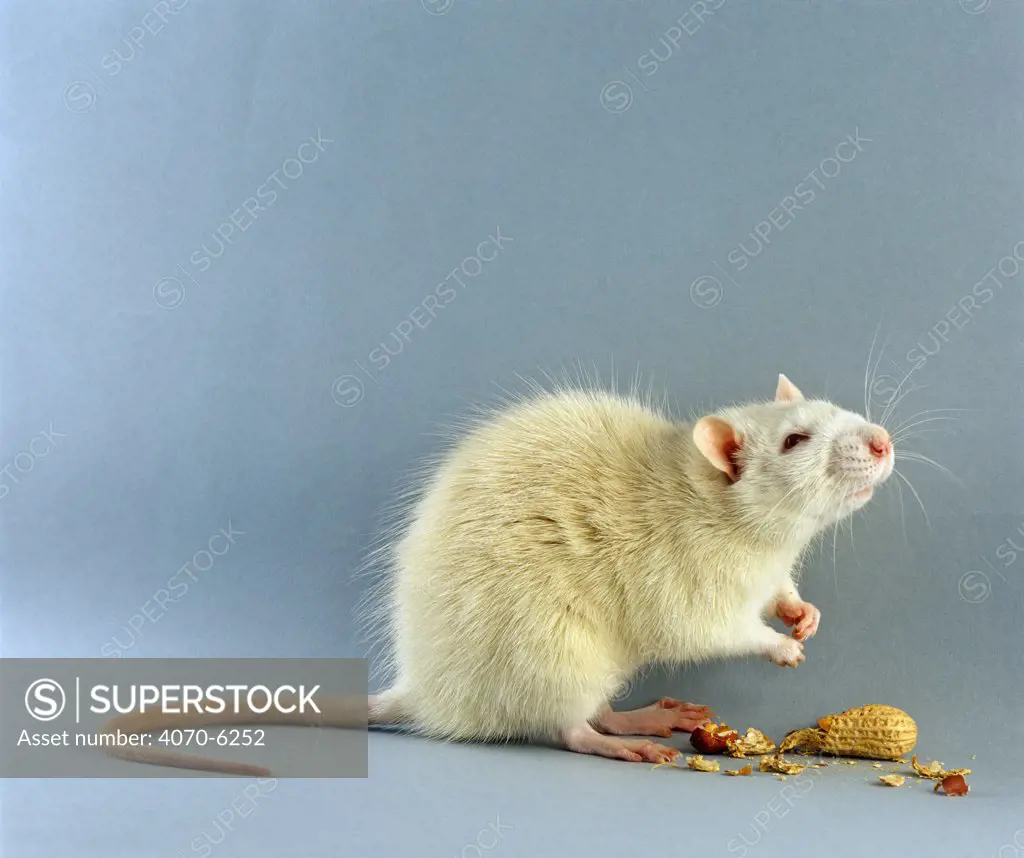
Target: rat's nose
[[879, 443]]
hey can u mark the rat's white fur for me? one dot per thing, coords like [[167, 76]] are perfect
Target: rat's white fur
[[576, 536], [573, 537]]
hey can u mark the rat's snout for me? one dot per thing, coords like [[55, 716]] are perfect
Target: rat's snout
[[879, 443], [864, 459]]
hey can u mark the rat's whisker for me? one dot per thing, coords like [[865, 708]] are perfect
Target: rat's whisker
[[867, 370], [834, 495], [935, 418], [911, 456], [900, 439], [802, 485], [927, 411], [916, 495], [890, 409], [799, 486], [903, 516], [853, 541], [913, 432], [903, 427], [878, 362]]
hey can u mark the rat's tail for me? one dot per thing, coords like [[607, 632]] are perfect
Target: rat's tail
[[381, 709]]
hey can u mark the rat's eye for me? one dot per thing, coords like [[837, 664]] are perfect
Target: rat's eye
[[794, 439]]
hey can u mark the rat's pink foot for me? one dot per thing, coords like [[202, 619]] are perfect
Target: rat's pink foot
[[586, 740], [658, 719], [803, 615]]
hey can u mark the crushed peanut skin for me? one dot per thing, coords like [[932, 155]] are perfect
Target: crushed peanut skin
[[954, 785]]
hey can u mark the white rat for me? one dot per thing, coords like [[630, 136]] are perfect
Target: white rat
[[575, 536]]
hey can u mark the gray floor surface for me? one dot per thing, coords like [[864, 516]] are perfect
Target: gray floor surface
[[424, 798]]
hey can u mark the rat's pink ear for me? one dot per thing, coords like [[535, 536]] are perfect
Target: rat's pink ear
[[787, 391], [719, 443]]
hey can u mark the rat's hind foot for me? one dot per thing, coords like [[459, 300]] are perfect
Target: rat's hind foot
[[586, 740], [658, 719]]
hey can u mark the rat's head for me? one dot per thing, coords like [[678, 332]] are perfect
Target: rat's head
[[801, 463]]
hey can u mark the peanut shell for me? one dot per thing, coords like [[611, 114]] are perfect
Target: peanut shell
[[875, 731]]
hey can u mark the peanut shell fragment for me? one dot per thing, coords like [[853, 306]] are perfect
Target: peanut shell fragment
[[752, 743], [699, 764], [934, 770], [780, 766]]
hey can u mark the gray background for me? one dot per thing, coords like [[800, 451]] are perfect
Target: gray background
[[174, 423]]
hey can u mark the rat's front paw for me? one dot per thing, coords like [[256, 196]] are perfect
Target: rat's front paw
[[787, 652], [803, 615]]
